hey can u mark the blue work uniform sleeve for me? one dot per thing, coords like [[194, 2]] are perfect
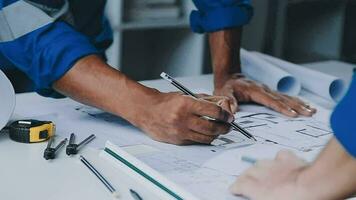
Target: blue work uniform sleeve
[[215, 15], [47, 53], [343, 120]]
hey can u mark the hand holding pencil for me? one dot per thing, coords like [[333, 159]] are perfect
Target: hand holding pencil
[[190, 93]]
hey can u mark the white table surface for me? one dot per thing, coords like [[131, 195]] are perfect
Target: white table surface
[[24, 174]]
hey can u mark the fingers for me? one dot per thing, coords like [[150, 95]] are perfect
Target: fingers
[[208, 127], [273, 102], [205, 108], [290, 106], [299, 106]]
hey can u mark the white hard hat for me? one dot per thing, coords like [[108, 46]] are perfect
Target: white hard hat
[[7, 100]]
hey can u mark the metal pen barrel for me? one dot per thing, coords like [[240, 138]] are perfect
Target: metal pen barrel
[[86, 141], [61, 144]]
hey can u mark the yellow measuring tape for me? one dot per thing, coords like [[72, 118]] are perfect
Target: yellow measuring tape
[[31, 131]]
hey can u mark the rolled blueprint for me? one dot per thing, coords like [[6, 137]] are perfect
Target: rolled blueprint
[[324, 85], [7, 100], [275, 78]]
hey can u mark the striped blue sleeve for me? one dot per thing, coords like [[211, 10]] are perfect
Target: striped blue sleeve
[[215, 15], [343, 120], [47, 53]]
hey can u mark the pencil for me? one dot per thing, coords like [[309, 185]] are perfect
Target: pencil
[[186, 91]]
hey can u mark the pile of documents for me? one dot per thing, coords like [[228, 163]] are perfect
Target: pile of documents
[[142, 10]]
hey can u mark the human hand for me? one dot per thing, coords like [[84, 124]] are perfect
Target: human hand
[[273, 180], [177, 119], [239, 89]]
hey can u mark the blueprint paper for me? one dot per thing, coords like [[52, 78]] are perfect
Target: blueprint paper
[[268, 74], [213, 168], [324, 85], [202, 170], [7, 100]]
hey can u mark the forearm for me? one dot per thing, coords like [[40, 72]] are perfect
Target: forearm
[[225, 51], [332, 174], [91, 81]]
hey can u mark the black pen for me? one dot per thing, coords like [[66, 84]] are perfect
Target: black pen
[[100, 177], [186, 91]]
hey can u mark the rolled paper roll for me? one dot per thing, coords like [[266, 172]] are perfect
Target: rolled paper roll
[[264, 72], [7, 100], [321, 84]]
